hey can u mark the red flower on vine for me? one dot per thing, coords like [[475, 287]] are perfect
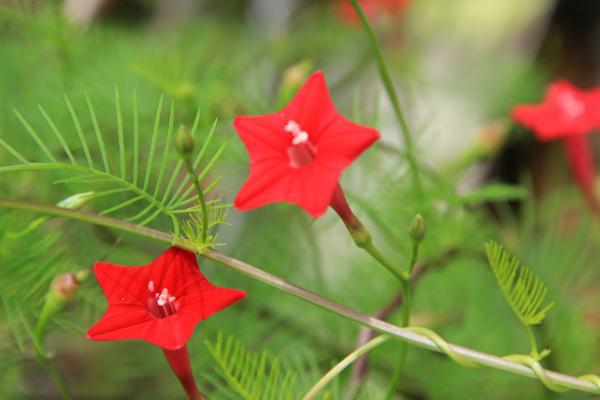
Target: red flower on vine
[[372, 9], [298, 154], [161, 302], [567, 113]]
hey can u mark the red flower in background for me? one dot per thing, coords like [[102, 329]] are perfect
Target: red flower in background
[[161, 303], [373, 9], [298, 154], [567, 113]]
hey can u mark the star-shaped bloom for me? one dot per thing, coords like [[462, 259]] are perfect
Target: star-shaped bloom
[[161, 302], [566, 111], [298, 154]]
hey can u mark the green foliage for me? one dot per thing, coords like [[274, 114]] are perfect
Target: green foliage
[[493, 192], [252, 375], [131, 183], [27, 266], [524, 291]]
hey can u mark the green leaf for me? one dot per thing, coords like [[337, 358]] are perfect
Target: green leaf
[[252, 375], [493, 192], [524, 291], [141, 199]]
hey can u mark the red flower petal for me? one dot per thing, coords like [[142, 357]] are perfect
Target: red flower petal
[[344, 141], [565, 111], [312, 107], [263, 136]]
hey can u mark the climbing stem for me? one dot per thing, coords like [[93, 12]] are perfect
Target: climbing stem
[[45, 361], [586, 383], [190, 169], [405, 321], [342, 365], [393, 97]]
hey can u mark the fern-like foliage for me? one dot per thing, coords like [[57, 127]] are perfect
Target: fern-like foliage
[[27, 268], [193, 226], [251, 375], [524, 291], [129, 185]]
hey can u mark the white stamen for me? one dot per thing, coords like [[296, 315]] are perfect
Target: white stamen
[[292, 127], [301, 137], [151, 286], [570, 105], [163, 298], [171, 299]]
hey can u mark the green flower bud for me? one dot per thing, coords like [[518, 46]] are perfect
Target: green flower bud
[[417, 229], [184, 141], [64, 287], [75, 201]]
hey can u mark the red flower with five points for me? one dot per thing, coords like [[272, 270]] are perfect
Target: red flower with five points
[[298, 154], [161, 302], [567, 113]]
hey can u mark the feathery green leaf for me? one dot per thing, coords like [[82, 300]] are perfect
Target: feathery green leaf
[[524, 291]]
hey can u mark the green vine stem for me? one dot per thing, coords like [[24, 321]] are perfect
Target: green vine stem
[[201, 199], [406, 311], [393, 97], [184, 142], [415, 336], [45, 361], [342, 365]]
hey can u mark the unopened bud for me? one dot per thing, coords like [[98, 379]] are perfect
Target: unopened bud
[[417, 229], [75, 201], [293, 78], [491, 137], [184, 141], [64, 287], [295, 75]]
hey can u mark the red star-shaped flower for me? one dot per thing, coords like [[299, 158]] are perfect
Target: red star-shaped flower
[[298, 154], [161, 302], [372, 9], [566, 111]]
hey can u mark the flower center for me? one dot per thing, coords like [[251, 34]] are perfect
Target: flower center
[[302, 151], [570, 105], [161, 305]]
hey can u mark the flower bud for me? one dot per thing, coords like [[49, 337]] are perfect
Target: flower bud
[[293, 78], [417, 229], [64, 287], [295, 75], [75, 201], [491, 138], [184, 141]]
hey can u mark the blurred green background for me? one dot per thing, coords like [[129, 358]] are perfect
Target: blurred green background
[[459, 67]]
